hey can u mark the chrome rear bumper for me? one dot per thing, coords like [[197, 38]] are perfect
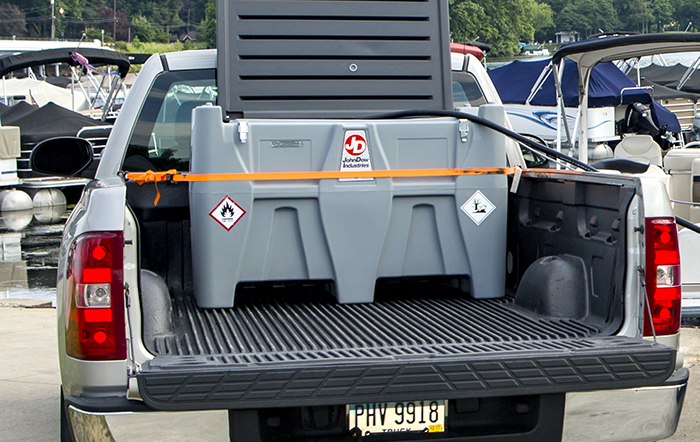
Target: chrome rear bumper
[[639, 414]]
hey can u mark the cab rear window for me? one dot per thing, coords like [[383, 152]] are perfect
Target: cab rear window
[[161, 137]]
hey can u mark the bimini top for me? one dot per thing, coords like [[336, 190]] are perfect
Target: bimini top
[[96, 57], [587, 53], [514, 83]]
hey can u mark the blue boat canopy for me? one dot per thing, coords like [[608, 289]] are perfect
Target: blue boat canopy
[[514, 82]]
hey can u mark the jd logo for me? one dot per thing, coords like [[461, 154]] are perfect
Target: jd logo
[[355, 145]]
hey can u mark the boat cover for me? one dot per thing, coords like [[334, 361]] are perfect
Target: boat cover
[[663, 75], [515, 80], [669, 76], [59, 81], [51, 120], [42, 92], [96, 57], [669, 93], [10, 114]]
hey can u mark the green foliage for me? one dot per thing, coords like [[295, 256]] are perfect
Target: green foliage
[[142, 29], [93, 34], [151, 48], [209, 23], [468, 21], [161, 36], [542, 20], [72, 17], [687, 11], [634, 14], [500, 23], [96, 34], [12, 21], [646, 15], [663, 11], [136, 44], [588, 17]]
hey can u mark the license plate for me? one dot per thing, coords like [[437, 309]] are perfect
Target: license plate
[[390, 417]]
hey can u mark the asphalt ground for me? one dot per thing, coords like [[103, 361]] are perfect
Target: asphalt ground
[[29, 379], [30, 382]]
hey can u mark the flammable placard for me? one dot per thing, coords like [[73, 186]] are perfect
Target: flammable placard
[[227, 213]]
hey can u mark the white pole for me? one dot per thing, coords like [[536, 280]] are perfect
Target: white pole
[[53, 19], [583, 115], [72, 87], [556, 76]]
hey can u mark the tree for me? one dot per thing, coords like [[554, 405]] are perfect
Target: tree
[[143, 29], [542, 20], [162, 14], [501, 23], [199, 10], [187, 14], [634, 15], [209, 23], [662, 11], [12, 21], [687, 11], [468, 22], [588, 17]]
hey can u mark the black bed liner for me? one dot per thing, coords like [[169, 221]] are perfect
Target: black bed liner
[[273, 354]]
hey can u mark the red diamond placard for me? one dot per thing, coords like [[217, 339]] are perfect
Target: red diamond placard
[[227, 213]]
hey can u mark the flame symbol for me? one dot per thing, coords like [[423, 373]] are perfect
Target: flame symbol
[[227, 209]]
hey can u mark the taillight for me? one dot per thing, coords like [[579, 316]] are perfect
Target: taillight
[[95, 327], [663, 278]]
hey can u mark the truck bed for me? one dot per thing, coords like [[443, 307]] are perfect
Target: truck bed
[[269, 330], [290, 347], [268, 352]]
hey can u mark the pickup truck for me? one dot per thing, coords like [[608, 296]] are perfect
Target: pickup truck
[[244, 271]]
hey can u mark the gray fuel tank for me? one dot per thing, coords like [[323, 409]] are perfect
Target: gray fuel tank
[[350, 232]]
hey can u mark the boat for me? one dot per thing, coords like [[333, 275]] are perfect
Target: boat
[[83, 62], [678, 167], [533, 49], [479, 50], [528, 90], [89, 110], [675, 87]]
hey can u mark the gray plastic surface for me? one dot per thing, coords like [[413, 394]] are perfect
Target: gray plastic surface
[[332, 59], [351, 232]]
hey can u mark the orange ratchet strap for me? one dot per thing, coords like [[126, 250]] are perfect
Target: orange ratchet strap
[[174, 175]]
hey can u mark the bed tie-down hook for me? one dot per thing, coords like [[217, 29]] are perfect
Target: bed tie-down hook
[[243, 131], [463, 130], [153, 177]]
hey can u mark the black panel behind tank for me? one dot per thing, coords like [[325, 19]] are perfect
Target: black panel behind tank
[[332, 59]]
